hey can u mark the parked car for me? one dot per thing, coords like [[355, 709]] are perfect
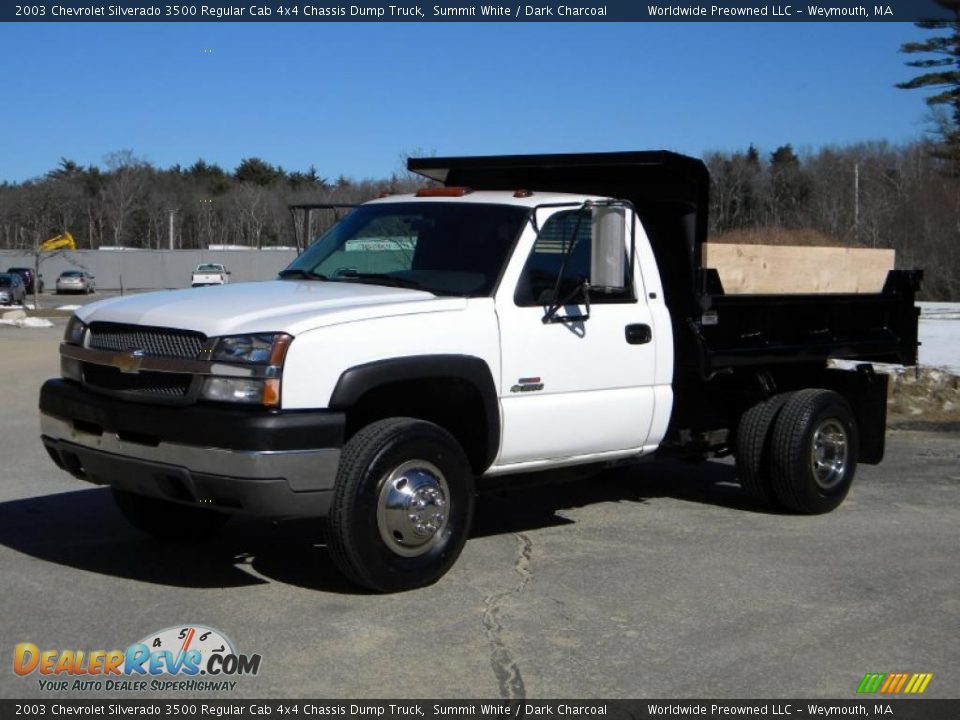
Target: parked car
[[76, 281], [12, 289], [209, 274], [27, 274]]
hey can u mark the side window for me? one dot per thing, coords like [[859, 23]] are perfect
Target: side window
[[539, 276]]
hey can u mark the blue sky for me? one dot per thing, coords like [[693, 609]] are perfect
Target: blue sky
[[353, 98]]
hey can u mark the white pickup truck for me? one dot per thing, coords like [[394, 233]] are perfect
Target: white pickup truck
[[209, 274], [534, 312]]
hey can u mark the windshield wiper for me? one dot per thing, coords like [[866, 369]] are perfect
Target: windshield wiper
[[381, 277], [300, 273]]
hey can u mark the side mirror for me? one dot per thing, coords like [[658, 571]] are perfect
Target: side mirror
[[608, 252], [229, 273]]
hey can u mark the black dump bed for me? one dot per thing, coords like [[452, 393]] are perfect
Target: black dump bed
[[714, 332]]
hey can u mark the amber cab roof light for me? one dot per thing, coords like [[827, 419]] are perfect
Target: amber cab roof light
[[444, 192]]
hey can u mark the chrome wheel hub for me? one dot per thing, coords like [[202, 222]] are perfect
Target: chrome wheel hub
[[412, 508], [828, 454]]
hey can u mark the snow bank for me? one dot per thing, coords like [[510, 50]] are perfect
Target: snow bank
[[940, 335], [30, 322]]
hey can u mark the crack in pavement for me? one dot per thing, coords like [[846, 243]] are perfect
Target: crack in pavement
[[505, 669]]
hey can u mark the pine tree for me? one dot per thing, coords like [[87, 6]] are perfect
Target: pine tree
[[943, 75]]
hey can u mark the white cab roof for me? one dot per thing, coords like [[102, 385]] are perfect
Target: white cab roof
[[493, 197]]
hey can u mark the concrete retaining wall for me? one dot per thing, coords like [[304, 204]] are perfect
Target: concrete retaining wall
[[152, 269]]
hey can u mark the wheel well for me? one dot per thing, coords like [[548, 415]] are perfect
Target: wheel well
[[701, 407], [452, 403]]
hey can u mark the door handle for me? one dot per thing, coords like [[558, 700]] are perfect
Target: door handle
[[638, 334]]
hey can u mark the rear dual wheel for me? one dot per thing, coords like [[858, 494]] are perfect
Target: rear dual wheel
[[799, 450]]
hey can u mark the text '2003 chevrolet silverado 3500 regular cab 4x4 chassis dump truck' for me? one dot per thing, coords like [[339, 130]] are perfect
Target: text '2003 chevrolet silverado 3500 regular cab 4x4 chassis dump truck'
[[534, 312]]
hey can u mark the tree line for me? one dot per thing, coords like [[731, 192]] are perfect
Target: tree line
[[130, 202], [865, 195]]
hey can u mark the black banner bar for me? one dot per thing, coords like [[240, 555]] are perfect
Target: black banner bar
[[312, 11], [873, 706]]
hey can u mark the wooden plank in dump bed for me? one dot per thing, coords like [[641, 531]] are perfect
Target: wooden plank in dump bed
[[761, 269]]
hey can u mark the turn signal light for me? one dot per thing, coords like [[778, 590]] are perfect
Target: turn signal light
[[271, 392]]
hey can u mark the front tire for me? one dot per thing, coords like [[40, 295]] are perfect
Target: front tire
[[402, 506], [167, 520], [814, 451]]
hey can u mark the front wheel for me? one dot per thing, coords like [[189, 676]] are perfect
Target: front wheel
[[402, 505], [814, 451], [167, 520]]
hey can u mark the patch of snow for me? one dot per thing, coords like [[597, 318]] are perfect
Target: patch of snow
[[69, 307], [940, 340], [939, 311], [30, 322]]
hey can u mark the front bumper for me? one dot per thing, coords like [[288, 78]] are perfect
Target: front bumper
[[271, 463]]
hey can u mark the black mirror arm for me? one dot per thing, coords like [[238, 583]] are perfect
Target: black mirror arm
[[551, 315]]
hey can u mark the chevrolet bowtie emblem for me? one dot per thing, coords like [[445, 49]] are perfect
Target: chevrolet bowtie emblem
[[129, 361]]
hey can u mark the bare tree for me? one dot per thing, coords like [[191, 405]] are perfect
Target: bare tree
[[123, 191]]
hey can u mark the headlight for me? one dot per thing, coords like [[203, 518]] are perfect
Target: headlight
[[263, 349], [260, 349], [75, 331]]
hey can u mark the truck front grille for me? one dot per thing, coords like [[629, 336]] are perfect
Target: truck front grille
[[149, 384], [157, 342]]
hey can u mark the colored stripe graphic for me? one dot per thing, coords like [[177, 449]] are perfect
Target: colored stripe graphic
[[894, 683], [919, 681], [871, 682], [900, 683], [889, 682]]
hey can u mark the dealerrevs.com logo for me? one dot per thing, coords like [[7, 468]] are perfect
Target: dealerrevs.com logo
[[179, 658]]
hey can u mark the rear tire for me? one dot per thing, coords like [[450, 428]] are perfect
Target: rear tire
[[814, 451], [402, 506], [167, 520], [753, 449]]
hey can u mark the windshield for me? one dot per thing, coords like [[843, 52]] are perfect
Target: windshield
[[5, 281], [447, 248]]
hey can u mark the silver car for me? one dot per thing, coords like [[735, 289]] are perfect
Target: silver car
[[75, 281], [12, 289]]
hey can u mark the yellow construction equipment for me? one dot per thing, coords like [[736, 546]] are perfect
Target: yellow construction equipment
[[58, 242]]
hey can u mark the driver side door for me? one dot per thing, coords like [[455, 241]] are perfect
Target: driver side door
[[573, 389]]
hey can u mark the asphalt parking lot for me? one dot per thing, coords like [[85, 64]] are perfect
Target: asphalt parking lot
[[660, 581]]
